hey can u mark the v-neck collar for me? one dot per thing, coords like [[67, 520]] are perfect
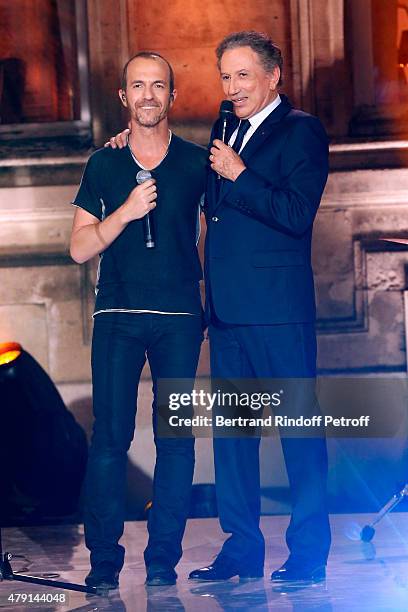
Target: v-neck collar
[[138, 163]]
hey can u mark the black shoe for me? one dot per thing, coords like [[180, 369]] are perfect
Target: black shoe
[[224, 569], [104, 575], [298, 571], [160, 576]]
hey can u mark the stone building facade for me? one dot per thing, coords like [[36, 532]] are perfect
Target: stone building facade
[[331, 55]]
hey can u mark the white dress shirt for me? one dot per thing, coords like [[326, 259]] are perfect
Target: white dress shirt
[[255, 122]]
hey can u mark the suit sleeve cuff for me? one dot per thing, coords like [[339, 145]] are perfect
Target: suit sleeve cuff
[[243, 189]]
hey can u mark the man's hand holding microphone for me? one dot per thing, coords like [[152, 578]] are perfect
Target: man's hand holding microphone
[[91, 236], [140, 201]]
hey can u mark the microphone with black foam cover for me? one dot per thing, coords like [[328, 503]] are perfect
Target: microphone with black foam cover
[[141, 177], [226, 115]]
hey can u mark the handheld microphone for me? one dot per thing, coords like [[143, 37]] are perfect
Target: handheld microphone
[[141, 177], [226, 113]]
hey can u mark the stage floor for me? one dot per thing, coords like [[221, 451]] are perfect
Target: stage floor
[[362, 577]]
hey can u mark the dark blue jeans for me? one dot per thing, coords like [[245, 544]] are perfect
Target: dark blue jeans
[[121, 343]]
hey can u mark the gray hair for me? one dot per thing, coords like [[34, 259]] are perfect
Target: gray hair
[[269, 54]]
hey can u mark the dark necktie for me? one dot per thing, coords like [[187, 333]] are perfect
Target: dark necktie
[[244, 126]]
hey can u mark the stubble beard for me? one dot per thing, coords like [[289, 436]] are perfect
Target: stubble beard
[[146, 119]]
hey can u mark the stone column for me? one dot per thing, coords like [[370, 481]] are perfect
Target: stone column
[[322, 81], [108, 52]]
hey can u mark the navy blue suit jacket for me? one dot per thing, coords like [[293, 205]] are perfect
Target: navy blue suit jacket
[[259, 229]]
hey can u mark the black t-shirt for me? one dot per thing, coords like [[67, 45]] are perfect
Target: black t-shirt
[[132, 277]]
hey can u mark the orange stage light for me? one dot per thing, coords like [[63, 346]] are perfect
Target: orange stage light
[[9, 351]]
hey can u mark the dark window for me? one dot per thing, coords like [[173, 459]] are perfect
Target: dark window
[[43, 67], [379, 47]]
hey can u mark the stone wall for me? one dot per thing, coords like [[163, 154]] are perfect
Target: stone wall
[[46, 300], [360, 277]]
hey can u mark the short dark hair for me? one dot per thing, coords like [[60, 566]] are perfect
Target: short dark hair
[[269, 54], [147, 55]]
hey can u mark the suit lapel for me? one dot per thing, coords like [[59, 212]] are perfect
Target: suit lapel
[[264, 130]]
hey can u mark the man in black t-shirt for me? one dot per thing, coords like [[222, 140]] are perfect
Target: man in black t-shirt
[[147, 306]]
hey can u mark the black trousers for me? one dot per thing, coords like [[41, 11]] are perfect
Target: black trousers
[[121, 343], [269, 351]]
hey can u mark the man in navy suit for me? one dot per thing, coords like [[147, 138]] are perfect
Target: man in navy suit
[[260, 300]]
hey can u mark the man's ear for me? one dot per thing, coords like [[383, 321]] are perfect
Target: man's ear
[[123, 98], [173, 96], [275, 78]]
